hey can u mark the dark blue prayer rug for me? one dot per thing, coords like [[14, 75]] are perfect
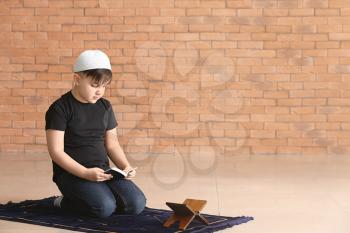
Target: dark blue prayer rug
[[41, 212]]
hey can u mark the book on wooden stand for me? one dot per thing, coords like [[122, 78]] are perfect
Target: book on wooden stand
[[186, 212]]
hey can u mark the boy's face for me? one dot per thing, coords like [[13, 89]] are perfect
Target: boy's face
[[86, 90]]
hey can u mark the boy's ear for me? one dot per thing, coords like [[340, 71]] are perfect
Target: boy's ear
[[76, 79]]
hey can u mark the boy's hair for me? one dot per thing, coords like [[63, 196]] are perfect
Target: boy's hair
[[98, 76]]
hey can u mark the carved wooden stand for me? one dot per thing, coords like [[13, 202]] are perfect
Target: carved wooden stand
[[186, 212]]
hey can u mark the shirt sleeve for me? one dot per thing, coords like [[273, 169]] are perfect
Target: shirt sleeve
[[56, 118], [112, 122]]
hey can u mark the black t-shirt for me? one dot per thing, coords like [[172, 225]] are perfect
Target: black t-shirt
[[85, 125]]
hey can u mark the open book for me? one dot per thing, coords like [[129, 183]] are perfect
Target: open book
[[116, 173]]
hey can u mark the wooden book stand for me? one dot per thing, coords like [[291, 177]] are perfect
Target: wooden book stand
[[186, 212]]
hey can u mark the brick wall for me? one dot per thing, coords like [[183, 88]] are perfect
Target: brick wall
[[230, 77]]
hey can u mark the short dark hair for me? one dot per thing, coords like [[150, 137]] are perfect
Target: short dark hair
[[98, 76]]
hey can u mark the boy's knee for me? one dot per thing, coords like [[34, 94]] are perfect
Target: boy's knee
[[104, 209], [136, 206]]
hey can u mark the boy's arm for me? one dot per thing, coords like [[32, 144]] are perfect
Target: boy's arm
[[55, 144], [114, 150]]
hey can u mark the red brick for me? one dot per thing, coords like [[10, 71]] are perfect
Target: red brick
[[344, 11], [26, 60], [329, 12], [25, 27], [186, 3], [35, 100], [61, 20], [35, 3], [264, 150], [59, 36], [22, 139], [111, 20], [135, 4], [287, 4], [4, 139], [224, 12], [226, 28], [48, 92], [35, 84], [239, 4], [98, 28], [124, 28], [71, 12], [46, 11], [262, 133], [328, 44], [263, 36], [10, 131], [304, 28], [315, 4], [212, 36], [96, 45], [110, 4], [45, 27], [290, 150], [274, 142], [275, 12], [224, 44], [5, 27], [96, 12], [147, 12], [136, 36], [22, 11], [161, 36], [338, 4], [35, 148], [212, 4], [86, 3], [162, 3], [315, 20], [186, 36], [60, 4], [122, 12], [151, 28], [302, 93], [198, 11], [23, 124], [32, 67], [249, 12], [197, 20], [121, 44], [172, 12], [314, 118], [60, 84], [281, 29], [86, 20], [33, 115], [289, 21], [84, 36], [315, 37], [200, 28], [161, 20]]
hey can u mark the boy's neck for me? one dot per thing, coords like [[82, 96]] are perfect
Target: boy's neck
[[77, 96]]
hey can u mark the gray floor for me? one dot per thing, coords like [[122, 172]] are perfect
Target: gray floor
[[285, 194]]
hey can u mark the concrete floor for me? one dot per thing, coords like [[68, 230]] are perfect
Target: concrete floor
[[285, 194]]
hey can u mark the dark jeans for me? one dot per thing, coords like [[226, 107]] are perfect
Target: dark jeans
[[100, 199]]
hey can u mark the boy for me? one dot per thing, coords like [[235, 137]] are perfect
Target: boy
[[81, 135]]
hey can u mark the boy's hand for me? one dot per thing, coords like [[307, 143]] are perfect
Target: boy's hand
[[97, 174], [131, 171]]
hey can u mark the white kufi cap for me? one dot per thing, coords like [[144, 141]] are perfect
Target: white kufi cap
[[92, 59]]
